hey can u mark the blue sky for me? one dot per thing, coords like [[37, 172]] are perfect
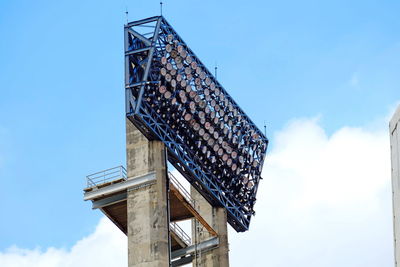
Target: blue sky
[[62, 95]]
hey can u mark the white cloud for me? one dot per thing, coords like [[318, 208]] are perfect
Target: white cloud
[[324, 201], [105, 247]]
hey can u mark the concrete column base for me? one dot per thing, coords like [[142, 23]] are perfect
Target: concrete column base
[[148, 244], [217, 218]]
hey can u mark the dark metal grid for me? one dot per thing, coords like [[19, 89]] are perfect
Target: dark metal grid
[[145, 53]]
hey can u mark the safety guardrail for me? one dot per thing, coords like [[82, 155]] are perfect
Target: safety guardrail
[[118, 173], [181, 189], [179, 231], [106, 176]]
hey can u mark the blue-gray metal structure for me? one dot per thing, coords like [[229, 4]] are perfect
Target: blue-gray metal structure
[[171, 96]]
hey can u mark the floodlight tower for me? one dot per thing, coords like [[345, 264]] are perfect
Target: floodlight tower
[[177, 112]]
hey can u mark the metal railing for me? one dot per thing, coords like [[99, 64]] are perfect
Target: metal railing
[[106, 176], [119, 173], [179, 232], [181, 189]]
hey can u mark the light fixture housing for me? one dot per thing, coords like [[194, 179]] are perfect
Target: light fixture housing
[[171, 96]]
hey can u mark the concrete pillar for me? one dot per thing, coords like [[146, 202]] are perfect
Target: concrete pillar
[[147, 206], [216, 217], [394, 128]]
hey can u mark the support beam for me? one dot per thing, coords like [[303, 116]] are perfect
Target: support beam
[[109, 200], [182, 261], [137, 51], [148, 240], [204, 246], [143, 21], [140, 37], [131, 182], [192, 210]]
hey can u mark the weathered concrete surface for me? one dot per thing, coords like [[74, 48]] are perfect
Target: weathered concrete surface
[[217, 218], [394, 128], [147, 206]]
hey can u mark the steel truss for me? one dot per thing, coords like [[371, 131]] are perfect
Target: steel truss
[[148, 45]]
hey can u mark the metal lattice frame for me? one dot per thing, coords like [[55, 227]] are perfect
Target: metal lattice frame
[[157, 104]]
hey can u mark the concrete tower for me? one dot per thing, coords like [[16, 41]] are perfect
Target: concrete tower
[[146, 202]]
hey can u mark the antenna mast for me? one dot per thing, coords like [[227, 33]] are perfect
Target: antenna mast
[[265, 129]]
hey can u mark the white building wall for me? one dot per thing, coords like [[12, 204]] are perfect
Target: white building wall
[[394, 127]]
